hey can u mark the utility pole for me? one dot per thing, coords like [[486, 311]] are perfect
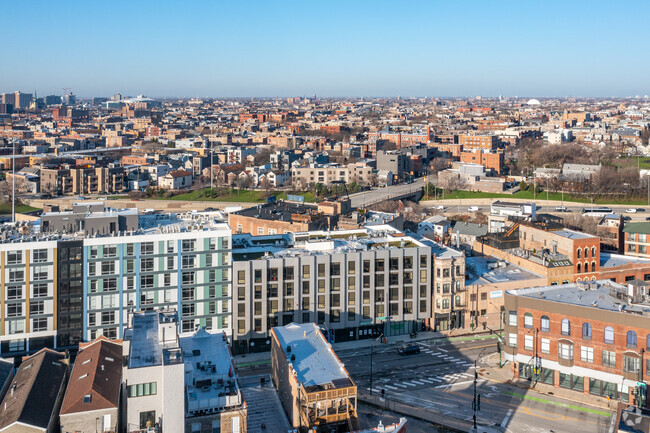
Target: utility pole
[[372, 348], [13, 182], [476, 403]]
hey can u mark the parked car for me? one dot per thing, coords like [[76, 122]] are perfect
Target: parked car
[[561, 209], [409, 349]]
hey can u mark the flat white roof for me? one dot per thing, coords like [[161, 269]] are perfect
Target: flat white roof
[[315, 362]]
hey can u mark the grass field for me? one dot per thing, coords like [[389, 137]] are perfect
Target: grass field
[[643, 161], [5, 208], [528, 195], [235, 195]]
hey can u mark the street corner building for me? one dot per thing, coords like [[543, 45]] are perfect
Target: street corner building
[[590, 337], [314, 386]]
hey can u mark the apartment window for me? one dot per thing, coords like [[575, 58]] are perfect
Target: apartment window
[[142, 389], [170, 247], [321, 269], [631, 364], [39, 324], [408, 262], [586, 331], [352, 267], [609, 358], [528, 321], [423, 261], [14, 310], [37, 307], [305, 271], [130, 250], [586, 354], [39, 256], [512, 318], [14, 257], [579, 253], [108, 317], [609, 335], [14, 292], [108, 268], [445, 303], [130, 266], [394, 264], [16, 276], [188, 245], [167, 280], [187, 262], [565, 351], [445, 273], [146, 248], [545, 345], [188, 278], [566, 327], [528, 342], [545, 324], [146, 281], [512, 340], [631, 339], [366, 266], [170, 263], [110, 251]]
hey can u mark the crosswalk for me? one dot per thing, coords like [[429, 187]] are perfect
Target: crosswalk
[[441, 381], [443, 355]]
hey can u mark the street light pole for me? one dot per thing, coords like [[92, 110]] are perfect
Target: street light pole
[[476, 400], [372, 348]]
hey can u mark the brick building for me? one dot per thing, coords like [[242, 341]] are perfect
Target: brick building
[[484, 142], [588, 337], [582, 249], [491, 160]]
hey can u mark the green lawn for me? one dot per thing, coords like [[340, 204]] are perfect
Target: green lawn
[[528, 195], [643, 162], [235, 195], [5, 208]]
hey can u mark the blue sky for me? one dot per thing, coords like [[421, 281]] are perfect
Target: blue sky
[[330, 48]]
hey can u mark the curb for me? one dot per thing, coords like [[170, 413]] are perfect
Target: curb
[[412, 415]]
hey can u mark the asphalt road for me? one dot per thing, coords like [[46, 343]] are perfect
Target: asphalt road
[[440, 378], [366, 198]]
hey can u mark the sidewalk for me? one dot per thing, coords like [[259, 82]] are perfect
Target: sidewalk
[[252, 359], [436, 418], [504, 375]]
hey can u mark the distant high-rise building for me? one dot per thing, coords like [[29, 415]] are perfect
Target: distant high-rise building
[[116, 97], [52, 100], [98, 101], [8, 98], [22, 100], [69, 99]]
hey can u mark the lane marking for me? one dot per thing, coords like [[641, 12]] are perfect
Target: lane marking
[[391, 387], [442, 350], [504, 423]]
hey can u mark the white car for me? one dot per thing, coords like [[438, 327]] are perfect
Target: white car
[[473, 209], [631, 210], [440, 207]]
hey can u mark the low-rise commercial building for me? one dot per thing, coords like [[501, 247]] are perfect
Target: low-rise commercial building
[[586, 336], [314, 386]]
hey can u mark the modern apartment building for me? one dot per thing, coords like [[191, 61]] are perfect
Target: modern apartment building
[[478, 142], [70, 283], [590, 337], [637, 239], [355, 283]]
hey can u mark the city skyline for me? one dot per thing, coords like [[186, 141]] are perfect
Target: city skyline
[[362, 50]]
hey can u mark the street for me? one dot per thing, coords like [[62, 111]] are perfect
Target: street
[[440, 378], [439, 382]]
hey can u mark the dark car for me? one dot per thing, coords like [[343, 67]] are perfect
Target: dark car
[[411, 349]]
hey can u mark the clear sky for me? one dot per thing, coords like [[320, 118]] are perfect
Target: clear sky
[[329, 48]]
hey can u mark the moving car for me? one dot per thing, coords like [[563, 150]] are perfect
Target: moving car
[[473, 208], [631, 210], [409, 349], [561, 209]]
